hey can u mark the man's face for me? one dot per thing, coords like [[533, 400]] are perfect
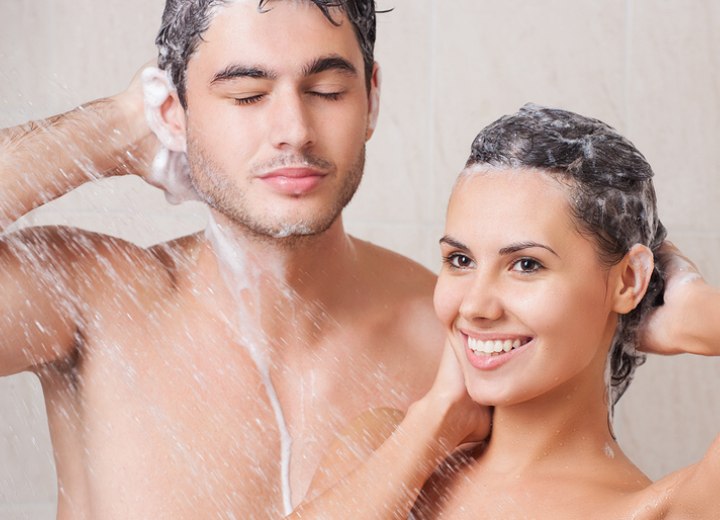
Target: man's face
[[277, 117]]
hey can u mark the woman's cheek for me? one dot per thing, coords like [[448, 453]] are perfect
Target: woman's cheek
[[446, 300]]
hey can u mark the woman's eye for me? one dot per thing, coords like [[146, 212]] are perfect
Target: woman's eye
[[527, 265], [458, 261]]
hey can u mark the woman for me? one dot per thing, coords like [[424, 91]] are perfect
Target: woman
[[542, 298], [551, 242]]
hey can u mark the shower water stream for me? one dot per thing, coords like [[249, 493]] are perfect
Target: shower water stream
[[170, 171], [236, 272]]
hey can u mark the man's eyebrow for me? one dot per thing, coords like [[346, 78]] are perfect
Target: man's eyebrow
[[237, 70], [514, 248], [332, 62]]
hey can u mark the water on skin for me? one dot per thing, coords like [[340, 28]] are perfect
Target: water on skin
[[170, 171], [237, 274]]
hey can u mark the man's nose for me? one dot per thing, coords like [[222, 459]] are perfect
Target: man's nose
[[292, 124]]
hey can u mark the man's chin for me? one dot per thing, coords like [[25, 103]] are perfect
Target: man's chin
[[294, 230], [289, 231]]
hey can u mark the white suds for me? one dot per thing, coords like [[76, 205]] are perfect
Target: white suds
[[609, 452]]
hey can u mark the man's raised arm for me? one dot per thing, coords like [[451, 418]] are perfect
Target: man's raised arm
[[41, 297], [42, 160]]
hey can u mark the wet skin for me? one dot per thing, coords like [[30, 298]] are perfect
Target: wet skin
[[517, 269], [162, 412], [155, 407]]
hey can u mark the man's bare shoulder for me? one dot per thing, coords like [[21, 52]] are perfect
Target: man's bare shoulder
[[400, 294], [65, 281], [395, 271], [90, 265], [402, 283]]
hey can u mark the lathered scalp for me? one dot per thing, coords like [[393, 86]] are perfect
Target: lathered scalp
[[494, 346], [184, 22]]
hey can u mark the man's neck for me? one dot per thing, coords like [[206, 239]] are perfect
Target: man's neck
[[287, 286]]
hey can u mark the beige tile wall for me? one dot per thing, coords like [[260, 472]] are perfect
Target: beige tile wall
[[650, 68]]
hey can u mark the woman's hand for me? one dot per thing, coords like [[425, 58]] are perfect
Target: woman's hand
[[463, 419], [687, 322]]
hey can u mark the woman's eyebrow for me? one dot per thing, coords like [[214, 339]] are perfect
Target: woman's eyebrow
[[519, 246], [452, 242]]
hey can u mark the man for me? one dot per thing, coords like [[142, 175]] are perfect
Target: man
[[161, 367]]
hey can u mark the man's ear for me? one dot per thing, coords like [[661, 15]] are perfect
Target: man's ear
[[172, 124], [374, 101], [636, 268]]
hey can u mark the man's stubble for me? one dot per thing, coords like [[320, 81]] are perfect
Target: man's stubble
[[217, 189]]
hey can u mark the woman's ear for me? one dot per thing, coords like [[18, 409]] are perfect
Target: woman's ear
[[172, 122], [636, 268], [374, 101]]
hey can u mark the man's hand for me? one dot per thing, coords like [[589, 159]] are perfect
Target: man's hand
[[161, 160], [138, 145]]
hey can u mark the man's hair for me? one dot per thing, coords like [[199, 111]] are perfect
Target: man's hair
[[611, 196], [185, 21]]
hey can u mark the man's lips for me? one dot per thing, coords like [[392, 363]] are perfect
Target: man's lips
[[293, 181]]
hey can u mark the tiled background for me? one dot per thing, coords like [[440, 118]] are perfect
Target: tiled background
[[649, 67]]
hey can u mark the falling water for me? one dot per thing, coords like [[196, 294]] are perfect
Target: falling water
[[236, 272], [171, 171]]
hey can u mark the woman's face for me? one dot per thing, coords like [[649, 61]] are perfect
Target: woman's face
[[524, 298]]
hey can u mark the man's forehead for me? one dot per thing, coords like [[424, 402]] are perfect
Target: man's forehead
[[285, 32]]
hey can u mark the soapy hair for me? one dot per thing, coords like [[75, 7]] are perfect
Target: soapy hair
[[611, 196], [185, 21]]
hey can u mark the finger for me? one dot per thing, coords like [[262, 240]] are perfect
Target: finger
[[673, 261]]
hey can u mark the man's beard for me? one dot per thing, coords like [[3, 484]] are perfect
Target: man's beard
[[220, 193]]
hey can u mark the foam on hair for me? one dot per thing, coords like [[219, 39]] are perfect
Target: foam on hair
[[185, 21]]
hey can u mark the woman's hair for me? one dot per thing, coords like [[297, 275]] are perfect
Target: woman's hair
[[611, 196], [185, 21]]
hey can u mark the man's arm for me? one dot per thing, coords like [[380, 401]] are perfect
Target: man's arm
[[41, 298], [42, 160], [38, 310]]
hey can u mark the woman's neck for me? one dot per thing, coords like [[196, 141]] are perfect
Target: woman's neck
[[568, 423]]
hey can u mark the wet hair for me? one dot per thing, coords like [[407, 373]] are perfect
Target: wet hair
[[185, 21], [611, 196]]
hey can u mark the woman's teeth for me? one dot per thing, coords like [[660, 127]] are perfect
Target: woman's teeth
[[493, 346]]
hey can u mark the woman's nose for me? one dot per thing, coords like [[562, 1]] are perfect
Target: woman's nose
[[481, 300]]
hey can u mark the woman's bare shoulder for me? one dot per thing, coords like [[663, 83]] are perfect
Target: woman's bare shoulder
[[691, 492]]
